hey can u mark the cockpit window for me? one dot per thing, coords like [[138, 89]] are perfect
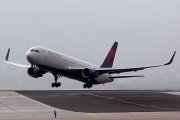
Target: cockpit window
[[37, 51]]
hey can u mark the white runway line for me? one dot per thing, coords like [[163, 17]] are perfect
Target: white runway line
[[172, 93]]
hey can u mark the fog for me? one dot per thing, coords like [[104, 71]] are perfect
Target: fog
[[148, 32]]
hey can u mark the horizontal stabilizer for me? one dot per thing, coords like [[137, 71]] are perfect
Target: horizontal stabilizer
[[126, 76]]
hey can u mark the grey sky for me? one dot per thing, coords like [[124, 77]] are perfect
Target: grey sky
[[148, 32]]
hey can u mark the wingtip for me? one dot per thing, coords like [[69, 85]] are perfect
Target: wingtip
[[171, 59], [7, 55]]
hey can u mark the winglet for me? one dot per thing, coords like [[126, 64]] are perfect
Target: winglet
[[171, 59], [7, 56]]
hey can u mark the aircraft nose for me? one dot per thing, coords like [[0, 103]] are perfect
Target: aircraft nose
[[29, 57]]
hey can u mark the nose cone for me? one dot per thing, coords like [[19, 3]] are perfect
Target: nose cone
[[30, 57]]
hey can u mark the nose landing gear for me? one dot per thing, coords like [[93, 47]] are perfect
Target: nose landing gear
[[56, 84]]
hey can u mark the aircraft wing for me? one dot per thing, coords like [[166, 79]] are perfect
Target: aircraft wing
[[12, 63], [113, 71], [101, 71]]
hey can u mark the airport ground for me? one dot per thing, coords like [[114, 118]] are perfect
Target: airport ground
[[90, 105]]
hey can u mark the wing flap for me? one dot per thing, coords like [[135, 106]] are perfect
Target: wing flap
[[126, 76]]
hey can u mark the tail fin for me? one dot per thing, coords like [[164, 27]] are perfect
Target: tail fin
[[108, 62]]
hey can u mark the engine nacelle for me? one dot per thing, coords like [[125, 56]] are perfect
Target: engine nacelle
[[34, 72], [89, 73]]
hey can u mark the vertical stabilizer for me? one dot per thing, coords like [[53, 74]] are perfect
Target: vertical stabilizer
[[108, 62]]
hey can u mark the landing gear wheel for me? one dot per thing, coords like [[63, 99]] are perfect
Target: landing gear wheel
[[56, 84], [87, 85], [59, 84], [52, 85]]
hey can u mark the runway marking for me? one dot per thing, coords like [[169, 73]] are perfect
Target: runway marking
[[127, 102], [91, 114]]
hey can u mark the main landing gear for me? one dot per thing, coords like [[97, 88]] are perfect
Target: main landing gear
[[56, 84], [87, 85]]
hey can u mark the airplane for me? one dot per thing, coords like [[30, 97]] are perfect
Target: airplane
[[44, 60]]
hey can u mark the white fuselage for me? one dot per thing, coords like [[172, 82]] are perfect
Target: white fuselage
[[57, 62]]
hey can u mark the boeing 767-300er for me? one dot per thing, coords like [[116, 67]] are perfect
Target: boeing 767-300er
[[43, 60]]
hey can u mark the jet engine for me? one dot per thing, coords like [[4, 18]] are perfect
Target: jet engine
[[35, 72], [89, 73]]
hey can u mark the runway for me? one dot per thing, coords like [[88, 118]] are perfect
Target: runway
[[90, 105], [107, 101]]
